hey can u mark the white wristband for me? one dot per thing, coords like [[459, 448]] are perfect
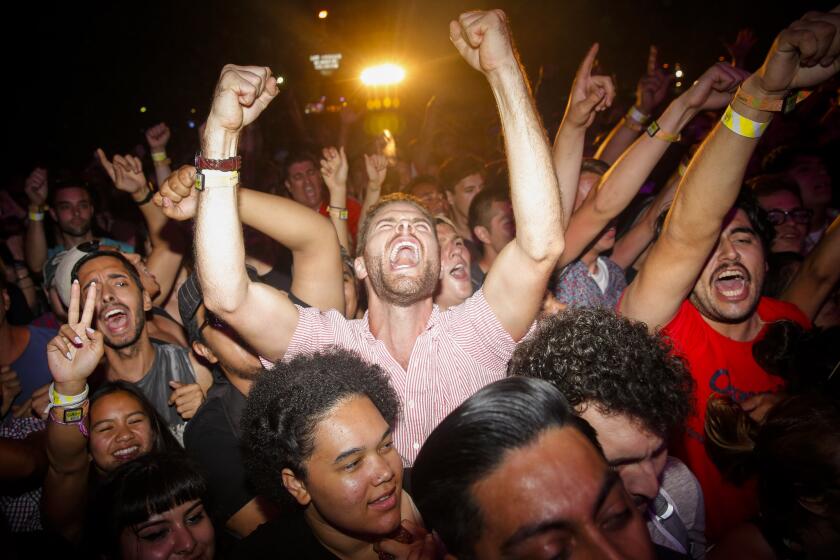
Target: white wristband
[[637, 116], [57, 399], [212, 179]]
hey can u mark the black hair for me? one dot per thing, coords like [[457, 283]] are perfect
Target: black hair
[[286, 405], [471, 442], [298, 156], [147, 486], [98, 253], [68, 182], [783, 158], [793, 452], [164, 441], [482, 203], [421, 180], [768, 184], [456, 168], [595, 357], [747, 202]]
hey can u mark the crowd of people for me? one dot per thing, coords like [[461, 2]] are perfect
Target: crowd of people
[[619, 344]]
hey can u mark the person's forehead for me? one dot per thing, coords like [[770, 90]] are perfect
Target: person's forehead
[[300, 166], [398, 210], [115, 405], [445, 233], [470, 180], [423, 188], [71, 194], [737, 219], [779, 199], [620, 433], [351, 423], [103, 264], [564, 487]]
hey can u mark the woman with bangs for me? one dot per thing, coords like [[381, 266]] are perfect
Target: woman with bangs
[[153, 508]]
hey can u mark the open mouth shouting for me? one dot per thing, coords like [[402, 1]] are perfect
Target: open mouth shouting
[[116, 319], [405, 253], [459, 271], [732, 282]]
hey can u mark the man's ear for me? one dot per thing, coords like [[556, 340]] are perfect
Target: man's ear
[[204, 352], [482, 234], [360, 268], [450, 197], [296, 487], [147, 301]]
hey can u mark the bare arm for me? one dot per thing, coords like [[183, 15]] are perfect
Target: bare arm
[[35, 242], [818, 275], [524, 265], [423, 150], [803, 55], [334, 169], [157, 137], [66, 484], [650, 92], [621, 183], [589, 95], [376, 167], [164, 260]]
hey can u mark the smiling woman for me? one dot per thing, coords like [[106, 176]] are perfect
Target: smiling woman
[[317, 435]]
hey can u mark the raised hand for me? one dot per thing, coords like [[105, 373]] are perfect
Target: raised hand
[[186, 398], [157, 137], [75, 352], [348, 116], [376, 166], [590, 94], [714, 89], [9, 389], [36, 187], [334, 168], [484, 40], [242, 93], [126, 172], [177, 196], [653, 86], [804, 55]]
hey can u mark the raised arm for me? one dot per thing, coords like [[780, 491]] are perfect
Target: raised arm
[[334, 169], [376, 167], [308, 235], [157, 137], [621, 183], [164, 260], [818, 275], [650, 92], [72, 357], [803, 55], [35, 241], [590, 94], [524, 265]]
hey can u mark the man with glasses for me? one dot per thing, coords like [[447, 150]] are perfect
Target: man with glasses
[[780, 198]]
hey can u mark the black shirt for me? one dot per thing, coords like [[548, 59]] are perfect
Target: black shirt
[[212, 440], [286, 537]]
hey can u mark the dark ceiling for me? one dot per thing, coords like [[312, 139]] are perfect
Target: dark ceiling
[[81, 71]]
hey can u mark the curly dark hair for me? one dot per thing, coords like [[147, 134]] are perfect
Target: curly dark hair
[[286, 405], [595, 356]]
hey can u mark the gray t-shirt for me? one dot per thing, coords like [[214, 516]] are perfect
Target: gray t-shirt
[[172, 363], [684, 530]]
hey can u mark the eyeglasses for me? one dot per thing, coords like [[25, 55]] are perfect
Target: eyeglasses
[[797, 215]]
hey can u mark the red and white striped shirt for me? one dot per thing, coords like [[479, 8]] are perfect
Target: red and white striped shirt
[[460, 351]]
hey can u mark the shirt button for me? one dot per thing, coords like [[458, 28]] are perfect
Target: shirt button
[[416, 445]]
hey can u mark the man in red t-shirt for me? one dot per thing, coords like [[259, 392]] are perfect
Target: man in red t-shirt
[[701, 283], [306, 186]]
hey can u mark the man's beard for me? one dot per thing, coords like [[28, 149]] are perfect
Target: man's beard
[[401, 291], [241, 373], [83, 229], [138, 331]]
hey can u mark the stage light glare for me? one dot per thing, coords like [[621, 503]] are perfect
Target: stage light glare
[[678, 73], [383, 75], [323, 14]]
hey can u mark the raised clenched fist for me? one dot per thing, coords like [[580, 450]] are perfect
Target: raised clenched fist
[[484, 40]]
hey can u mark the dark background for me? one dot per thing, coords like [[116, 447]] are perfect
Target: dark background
[[77, 73]]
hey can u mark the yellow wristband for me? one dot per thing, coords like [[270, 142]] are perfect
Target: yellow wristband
[[741, 125]]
